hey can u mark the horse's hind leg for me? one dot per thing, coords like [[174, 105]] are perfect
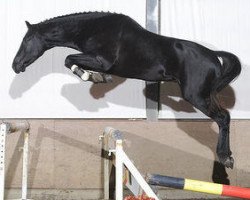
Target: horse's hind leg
[[209, 106], [222, 117], [88, 68]]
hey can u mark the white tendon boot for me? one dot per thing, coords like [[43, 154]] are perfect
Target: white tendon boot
[[84, 75]]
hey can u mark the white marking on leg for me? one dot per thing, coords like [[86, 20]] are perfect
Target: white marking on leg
[[85, 76], [73, 68]]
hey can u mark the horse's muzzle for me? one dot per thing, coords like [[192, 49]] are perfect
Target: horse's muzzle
[[17, 68]]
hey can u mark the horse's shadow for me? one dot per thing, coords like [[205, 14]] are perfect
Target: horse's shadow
[[74, 92], [85, 96], [96, 91]]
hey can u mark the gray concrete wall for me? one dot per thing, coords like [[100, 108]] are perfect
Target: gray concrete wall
[[65, 155]]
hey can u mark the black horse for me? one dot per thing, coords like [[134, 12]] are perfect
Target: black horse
[[115, 44]]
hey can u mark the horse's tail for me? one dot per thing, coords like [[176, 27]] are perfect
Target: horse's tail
[[231, 68]]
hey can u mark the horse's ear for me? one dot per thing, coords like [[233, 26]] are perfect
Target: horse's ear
[[28, 25]]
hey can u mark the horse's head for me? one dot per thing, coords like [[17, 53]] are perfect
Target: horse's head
[[31, 48]]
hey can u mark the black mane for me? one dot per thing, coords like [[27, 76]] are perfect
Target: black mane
[[74, 16]]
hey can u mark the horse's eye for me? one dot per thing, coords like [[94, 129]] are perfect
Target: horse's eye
[[26, 40]]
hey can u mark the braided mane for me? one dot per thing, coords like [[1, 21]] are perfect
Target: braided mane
[[74, 16]]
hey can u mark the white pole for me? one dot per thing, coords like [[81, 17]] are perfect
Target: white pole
[[25, 165], [106, 163], [3, 132], [119, 171], [144, 185]]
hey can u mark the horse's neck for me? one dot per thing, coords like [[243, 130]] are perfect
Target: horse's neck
[[66, 32], [59, 39]]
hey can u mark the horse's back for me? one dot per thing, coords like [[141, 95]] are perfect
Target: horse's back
[[130, 49]]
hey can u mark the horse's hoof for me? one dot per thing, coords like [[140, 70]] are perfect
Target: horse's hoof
[[228, 162], [97, 77], [108, 78]]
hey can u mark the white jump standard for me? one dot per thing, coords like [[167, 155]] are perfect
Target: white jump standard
[[121, 160], [5, 129]]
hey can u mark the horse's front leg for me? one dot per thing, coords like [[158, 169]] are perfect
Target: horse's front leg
[[88, 68]]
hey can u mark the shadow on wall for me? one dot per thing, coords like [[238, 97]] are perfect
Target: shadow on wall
[[42, 67], [171, 89], [97, 91], [53, 62]]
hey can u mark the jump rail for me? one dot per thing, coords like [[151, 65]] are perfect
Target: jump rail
[[121, 160], [5, 129], [198, 186]]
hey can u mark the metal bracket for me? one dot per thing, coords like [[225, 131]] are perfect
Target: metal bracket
[[152, 88], [111, 151]]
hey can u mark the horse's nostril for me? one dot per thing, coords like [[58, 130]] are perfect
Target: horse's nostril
[[15, 68]]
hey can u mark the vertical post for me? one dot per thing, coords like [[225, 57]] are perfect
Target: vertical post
[[105, 149], [119, 171], [3, 132], [7, 128], [25, 165], [152, 88]]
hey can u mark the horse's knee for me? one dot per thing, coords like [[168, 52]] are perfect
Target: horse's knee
[[68, 63]]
